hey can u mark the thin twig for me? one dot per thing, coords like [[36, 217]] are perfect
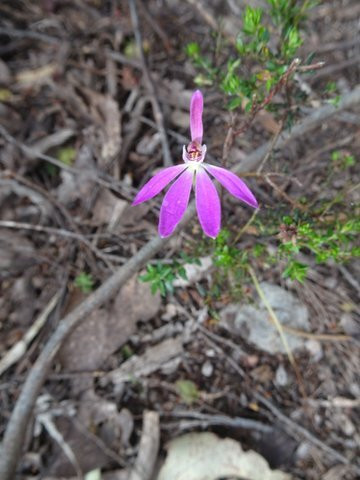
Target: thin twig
[[97, 176], [272, 146], [46, 420], [13, 438], [56, 231], [32, 153], [233, 422], [42, 37], [313, 120], [205, 12], [283, 194], [123, 59], [245, 227], [324, 337], [335, 68], [157, 28], [256, 108], [350, 278], [158, 115]]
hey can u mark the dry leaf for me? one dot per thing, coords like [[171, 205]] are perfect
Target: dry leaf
[[204, 456], [108, 209], [37, 75], [154, 358], [106, 330], [112, 129]]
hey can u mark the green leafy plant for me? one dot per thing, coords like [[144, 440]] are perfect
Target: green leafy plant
[[269, 39], [342, 160], [85, 282], [188, 391], [66, 155], [325, 239], [162, 274]]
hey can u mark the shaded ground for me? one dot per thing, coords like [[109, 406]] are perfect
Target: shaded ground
[[77, 138]]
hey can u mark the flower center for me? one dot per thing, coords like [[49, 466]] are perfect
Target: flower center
[[194, 152]]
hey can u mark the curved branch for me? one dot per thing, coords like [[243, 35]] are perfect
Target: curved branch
[[14, 434]]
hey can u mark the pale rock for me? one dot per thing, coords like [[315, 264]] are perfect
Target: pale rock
[[194, 272], [281, 377], [207, 369], [303, 451], [315, 349], [253, 324]]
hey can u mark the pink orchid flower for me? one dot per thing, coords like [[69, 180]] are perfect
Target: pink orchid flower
[[193, 171]]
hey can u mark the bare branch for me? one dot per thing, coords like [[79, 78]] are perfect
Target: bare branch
[[148, 449]]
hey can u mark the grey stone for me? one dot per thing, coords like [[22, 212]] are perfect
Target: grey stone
[[253, 324], [207, 369], [281, 376]]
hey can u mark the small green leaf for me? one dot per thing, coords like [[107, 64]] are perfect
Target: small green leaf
[[296, 271], [85, 282], [66, 155], [188, 391], [251, 19], [182, 273], [335, 101], [202, 80], [234, 103], [127, 351], [192, 50]]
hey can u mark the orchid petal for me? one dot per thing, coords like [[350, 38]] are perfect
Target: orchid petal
[[233, 184], [196, 110], [175, 203], [157, 183], [207, 204]]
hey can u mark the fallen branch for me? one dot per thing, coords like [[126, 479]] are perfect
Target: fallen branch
[[15, 432], [148, 449]]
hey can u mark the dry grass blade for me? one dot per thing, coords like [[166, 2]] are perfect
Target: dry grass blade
[[18, 350], [46, 420]]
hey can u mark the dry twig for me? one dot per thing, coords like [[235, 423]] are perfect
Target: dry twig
[[205, 420], [57, 231], [205, 12], [18, 350], [159, 117], [256, 108], [148, 449]]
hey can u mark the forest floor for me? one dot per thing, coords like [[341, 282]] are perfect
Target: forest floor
[[78, 137]]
